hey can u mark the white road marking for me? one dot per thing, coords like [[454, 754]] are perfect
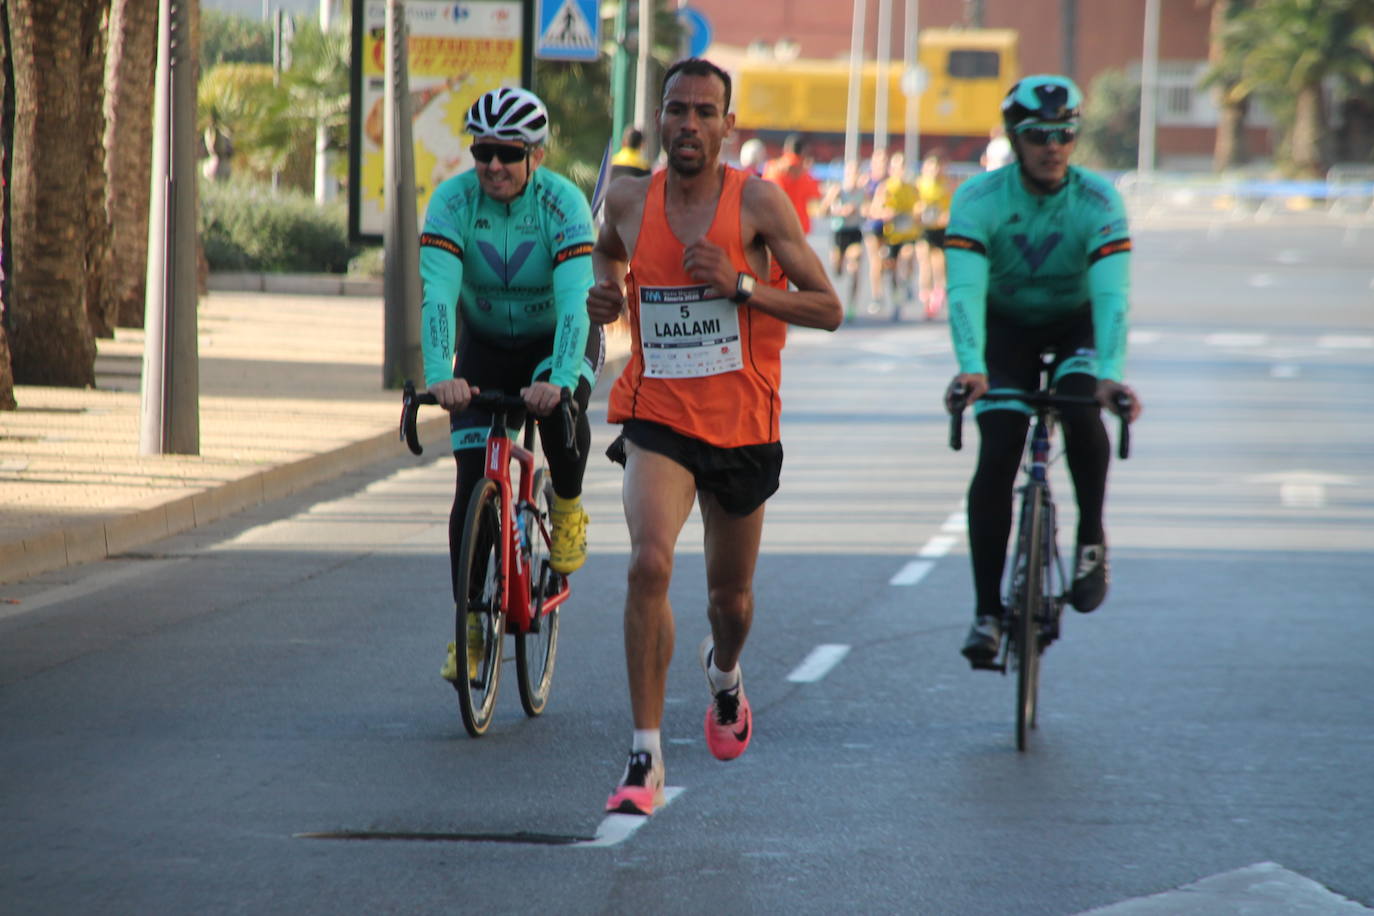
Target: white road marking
[[1302, 495], [1303, 489], [1345, 342], [617, 828], [1285, 370], [912, 573], [818, 664], [1262, 889], [938, 546], [1236, 340], [1144, 337], [956, 523], [1261, 280]]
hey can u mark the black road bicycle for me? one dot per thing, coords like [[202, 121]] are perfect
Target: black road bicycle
[[1037, 587]]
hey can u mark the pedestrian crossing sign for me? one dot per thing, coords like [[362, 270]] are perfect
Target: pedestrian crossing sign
[[568, 30]]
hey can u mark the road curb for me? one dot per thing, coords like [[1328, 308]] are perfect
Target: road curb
[[58, 548]]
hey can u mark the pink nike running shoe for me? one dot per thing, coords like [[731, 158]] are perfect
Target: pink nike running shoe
[[641, 788], [729, 721]]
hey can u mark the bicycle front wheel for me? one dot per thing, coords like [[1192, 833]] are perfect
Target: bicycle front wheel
[[1029, 601], [481, 620], [536, 650]]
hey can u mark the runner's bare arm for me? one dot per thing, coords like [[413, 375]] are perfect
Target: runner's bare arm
[[768, 216], [611, 254]]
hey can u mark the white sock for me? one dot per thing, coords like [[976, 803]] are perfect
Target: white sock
[[647, 739], [722, 680]]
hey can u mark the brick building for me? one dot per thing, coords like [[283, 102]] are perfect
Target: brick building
[[1078, 37]]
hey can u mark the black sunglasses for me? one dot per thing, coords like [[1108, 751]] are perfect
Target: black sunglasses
[[485, 152], [1041, 136]]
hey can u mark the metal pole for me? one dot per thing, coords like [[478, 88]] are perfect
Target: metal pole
[[884, 64], [911, 63], [1149, 70], [644, 100], [856, 65], [1068, 12], [620, 72], [401, 357], [170, 411], [324, 187]]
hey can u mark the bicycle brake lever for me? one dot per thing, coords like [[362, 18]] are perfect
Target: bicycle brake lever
[[410, 406], [954, 403], [1122, 401], [569, 411]]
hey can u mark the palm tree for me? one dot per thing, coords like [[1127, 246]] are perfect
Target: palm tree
[[1223, 76], [45, 317], [1285, 50], [130, 68]]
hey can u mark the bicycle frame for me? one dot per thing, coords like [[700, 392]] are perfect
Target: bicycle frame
[[515, 582], [500, 451]]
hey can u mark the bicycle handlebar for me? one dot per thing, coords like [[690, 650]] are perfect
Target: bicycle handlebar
[[955, 402], [494, 401]]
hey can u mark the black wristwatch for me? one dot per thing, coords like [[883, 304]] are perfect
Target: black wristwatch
[[744, 288]]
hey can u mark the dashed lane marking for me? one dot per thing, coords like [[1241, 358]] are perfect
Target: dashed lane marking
[[912, 573], [617, 828], [818, 664]]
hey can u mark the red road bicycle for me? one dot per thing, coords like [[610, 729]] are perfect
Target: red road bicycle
[[505, 583]]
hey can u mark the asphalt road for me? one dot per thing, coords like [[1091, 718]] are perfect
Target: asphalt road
[[174, 724]]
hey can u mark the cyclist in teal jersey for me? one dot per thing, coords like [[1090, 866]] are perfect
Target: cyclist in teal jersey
[[505, 260], [1038, 258]]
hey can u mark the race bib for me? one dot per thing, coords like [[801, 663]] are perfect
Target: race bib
[[688, 332]]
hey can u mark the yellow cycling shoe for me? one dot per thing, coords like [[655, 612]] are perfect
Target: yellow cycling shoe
[[450, 670], [569, 550], [477, 647]]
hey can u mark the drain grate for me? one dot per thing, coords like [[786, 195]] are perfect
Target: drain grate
[[520, 837]]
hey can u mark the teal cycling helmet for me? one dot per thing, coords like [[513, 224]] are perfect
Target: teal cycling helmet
[[1041, 99]]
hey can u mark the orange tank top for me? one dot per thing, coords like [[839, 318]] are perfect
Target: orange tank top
[[699, 363]]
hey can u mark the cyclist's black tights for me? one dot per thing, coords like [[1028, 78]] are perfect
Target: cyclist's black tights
[[990, 495], [565, 470]]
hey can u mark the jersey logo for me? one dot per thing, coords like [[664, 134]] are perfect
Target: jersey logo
[[572, 251], [1035, 256], [503, 268], [1110, 248], [430, 240]]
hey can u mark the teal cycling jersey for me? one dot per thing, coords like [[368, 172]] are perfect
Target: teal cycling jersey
[[1034, 259], [516, 272]]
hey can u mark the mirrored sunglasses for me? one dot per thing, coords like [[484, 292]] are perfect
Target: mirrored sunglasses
[[1040, 136], [485, 152]]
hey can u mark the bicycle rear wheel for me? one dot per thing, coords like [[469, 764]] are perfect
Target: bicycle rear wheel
[[536, 650], [1025, 634], [481, 621]]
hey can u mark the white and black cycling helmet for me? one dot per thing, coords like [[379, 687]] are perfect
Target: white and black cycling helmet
[[509, 114], [1041, 99]]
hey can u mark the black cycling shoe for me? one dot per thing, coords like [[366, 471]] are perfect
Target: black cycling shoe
[[1090, 578], [984, 639]]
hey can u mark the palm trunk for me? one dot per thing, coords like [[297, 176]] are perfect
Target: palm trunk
[[1308, 129], [1229, 150], [96, 238], [130, 70], [7, 401], [50, 336]]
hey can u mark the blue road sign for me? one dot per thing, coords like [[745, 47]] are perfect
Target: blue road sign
[[698, 30], [568, 30]]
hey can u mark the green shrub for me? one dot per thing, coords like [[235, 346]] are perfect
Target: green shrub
[[250, 227]]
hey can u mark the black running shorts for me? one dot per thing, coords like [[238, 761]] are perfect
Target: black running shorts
[[741, 479]]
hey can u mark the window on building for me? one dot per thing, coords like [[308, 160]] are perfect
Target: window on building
[[974, 64]]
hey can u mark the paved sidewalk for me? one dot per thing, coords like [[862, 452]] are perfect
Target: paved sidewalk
[[290, 395]]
